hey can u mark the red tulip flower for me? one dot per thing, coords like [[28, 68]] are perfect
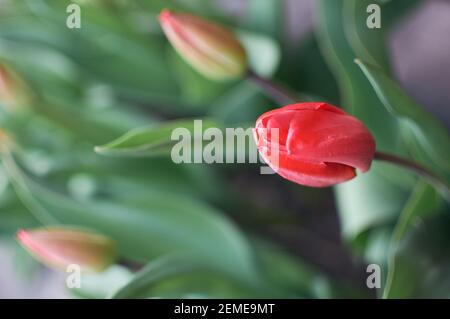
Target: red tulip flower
[[317, 144]]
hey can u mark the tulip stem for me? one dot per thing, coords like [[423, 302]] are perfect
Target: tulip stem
[[430, 176], [274, 90]]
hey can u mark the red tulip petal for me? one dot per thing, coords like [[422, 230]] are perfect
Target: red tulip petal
[[307, 173], [319, 137]]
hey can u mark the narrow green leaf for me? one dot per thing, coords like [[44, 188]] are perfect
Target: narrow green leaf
[[104, 284], [155, 272], [401, 279], [263, 52], [386, 193], [163, 223], [265, 16], [430, 134], [151, 141]]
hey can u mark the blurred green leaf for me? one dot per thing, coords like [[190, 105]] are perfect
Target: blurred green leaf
[[263, 52], [154, 272], [431, 135], [368, 44], [359, 204], [163, 223], [195, 88], [93, 52], [265, 16], [357, 95], [418, 264], [241, 104], [304, 68], [184, 276], [102, 285], [151, 141], [359, 99]]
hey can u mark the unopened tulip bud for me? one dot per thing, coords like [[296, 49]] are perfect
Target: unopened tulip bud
[[59, 247], [209, 48], [13, 94], [318, 144], [6, 88]]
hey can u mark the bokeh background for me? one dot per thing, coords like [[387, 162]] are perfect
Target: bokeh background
[[69, 90]]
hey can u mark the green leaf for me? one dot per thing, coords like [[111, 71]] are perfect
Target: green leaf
[[366, 43], [357, 95], [369, 200], [151, 141], [418, 263], [242, 103], [102, 285], [265, 16], [386, 193], [145, 229], [93, 53], [196, 89], [185, 276], [263, 52], [369, 44], [428, 132], [153, 273]]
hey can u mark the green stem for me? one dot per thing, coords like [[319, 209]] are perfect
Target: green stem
[[280, 94], [19, 184], [406, 216]]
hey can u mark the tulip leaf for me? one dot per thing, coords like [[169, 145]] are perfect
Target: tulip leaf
[[145, 229], [386, 192], [186, 277], [196, 89], [153, 273], [265, 17], [419, 241], [242, 103], [428, 132], [263, 52], [153, 140], [369, 43], [94, 53], [102, 285], [359, 205]]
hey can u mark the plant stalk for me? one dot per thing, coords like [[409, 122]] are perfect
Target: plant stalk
[[280, 94]]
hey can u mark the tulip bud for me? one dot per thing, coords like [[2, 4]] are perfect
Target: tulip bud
[[13, 94], [318, 144], [4, 141], [209, 48], [59, 247], [6, 88]]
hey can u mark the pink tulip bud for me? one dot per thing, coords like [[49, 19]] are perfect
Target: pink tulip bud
[[59, 247], [209, 48]]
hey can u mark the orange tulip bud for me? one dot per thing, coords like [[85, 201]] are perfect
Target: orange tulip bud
[[6, 87], [209, 48], [13, 92], [59, 247]]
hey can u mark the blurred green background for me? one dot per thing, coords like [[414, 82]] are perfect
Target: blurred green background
[[217, 230]]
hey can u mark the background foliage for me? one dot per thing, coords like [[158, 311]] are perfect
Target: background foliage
[[215, 230]]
